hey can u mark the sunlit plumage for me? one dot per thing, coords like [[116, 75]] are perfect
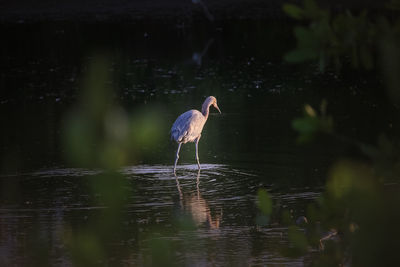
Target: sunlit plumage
[[189, 125]]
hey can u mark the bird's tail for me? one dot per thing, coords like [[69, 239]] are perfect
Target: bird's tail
[[175, 136]]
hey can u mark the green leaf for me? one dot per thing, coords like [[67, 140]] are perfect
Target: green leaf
[[306, 125], [264, 202], [312, 11], [303, 34], [310, 111], [307, 45], [293, 11], [311, 5], [298, 239]]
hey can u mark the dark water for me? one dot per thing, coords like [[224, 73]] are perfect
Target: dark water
[[169, 69], [220, 200]]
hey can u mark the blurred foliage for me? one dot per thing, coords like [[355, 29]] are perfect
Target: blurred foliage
[[311, 123], [355, 221], [298, 241], [335, 39], [161, 252], [363, 212], [264, 202], [393, 4], [265, 206], [99, 133]]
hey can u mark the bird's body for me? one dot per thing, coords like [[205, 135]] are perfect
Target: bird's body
[[189, 125]]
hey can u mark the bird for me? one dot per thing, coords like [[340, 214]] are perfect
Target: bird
[[189, 125]]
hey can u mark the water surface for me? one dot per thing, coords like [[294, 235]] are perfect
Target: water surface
[[219, 200]]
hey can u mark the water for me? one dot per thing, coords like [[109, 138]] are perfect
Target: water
[[220, 200], [200, 219]]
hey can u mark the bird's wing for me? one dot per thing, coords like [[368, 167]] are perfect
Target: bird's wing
[[187, 126]]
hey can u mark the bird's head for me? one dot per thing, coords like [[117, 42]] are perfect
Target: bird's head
[[213, 101]]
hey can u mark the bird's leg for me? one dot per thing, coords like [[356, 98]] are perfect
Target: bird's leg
[[197, 151], [177, 156]]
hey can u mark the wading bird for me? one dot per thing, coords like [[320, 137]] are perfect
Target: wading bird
[[188, 126]]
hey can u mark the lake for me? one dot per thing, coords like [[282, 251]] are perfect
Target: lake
[[54, 210]]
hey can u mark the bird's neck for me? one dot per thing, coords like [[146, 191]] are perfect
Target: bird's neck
[[205, 109]]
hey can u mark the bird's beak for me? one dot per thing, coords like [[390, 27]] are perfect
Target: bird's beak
[[216, 106]]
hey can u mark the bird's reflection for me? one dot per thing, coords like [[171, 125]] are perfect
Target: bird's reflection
[[207, 13], [197, 57], [198, 207]]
